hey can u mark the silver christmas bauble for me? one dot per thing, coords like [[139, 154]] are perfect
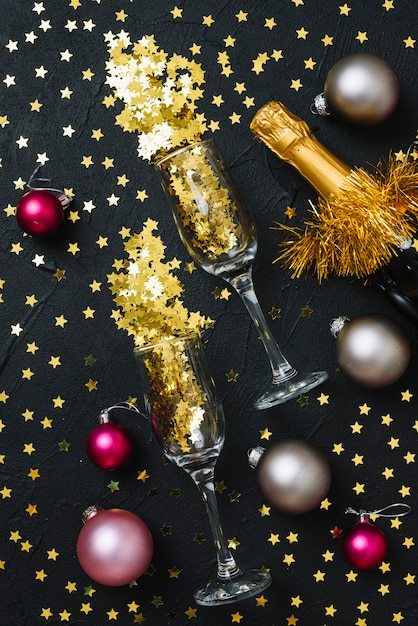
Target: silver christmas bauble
[[293, 475], [372, 349], [362, 89]]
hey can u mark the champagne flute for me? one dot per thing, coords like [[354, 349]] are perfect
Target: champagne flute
[[188, 421], [219, 235]]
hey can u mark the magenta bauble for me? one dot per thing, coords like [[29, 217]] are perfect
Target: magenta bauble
[[39, 213], [364, 546], [109, 446], [114, 547]]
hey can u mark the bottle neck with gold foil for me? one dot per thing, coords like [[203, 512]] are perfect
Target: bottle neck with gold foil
[[291, 140]]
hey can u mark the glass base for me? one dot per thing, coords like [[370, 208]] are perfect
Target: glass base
[[280, 392], [245, 585]]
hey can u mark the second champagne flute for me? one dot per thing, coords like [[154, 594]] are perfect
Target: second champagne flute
[[220, 236]]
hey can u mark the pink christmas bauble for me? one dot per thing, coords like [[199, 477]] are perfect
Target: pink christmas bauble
[[364, 546], [109, 446], [39, 213], [114, 547]]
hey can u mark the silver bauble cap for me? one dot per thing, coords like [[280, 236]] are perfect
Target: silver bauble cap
[[254, 456], [337, 324], [319, 105]]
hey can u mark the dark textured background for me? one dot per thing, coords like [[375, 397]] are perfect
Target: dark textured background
[[43, 514]]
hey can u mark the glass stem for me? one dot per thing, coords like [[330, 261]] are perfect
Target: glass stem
[[204, 479], [243, 284]]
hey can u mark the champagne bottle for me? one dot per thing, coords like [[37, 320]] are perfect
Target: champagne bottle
[[396, 269]]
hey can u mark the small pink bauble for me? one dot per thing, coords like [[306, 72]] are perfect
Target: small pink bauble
[[109, 446], [114, 547], [364, 546], [39, 213]]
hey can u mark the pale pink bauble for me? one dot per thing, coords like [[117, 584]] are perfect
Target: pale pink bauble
[[114, 547]]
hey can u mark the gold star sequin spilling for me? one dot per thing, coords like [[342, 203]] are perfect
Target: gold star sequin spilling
[[159, 94], [204, 203], [179, 405], [149, 294]]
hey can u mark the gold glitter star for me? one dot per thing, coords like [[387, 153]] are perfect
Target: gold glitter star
[[264, 510], [273, 539], [232, 376], [361, 36], [52, 554], [344, 9], [383, 589], [236, 618], [288, 559], [327, 40], [408, 542], [89, 591], [270, 23], [409, 42], [384, 567], [386, 419], [303, 400], [91, 385], [323, 399], [275, 313], [143, 475], [309, 63], [40, 575], [296, 84], [241, 16], [330, 610], [290, 212], [265, 434], [208, 20], [406, 396]]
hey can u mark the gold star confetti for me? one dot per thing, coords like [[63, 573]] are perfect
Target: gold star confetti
[[145, 79], [148, 294]]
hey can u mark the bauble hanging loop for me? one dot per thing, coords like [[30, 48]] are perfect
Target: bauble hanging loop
[[40, 211], [373, 350], [364, 546], [109, 445], [294, 476], [114, 547], [361, 89]]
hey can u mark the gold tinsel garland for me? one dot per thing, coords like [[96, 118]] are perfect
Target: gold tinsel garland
[[358, 230]]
